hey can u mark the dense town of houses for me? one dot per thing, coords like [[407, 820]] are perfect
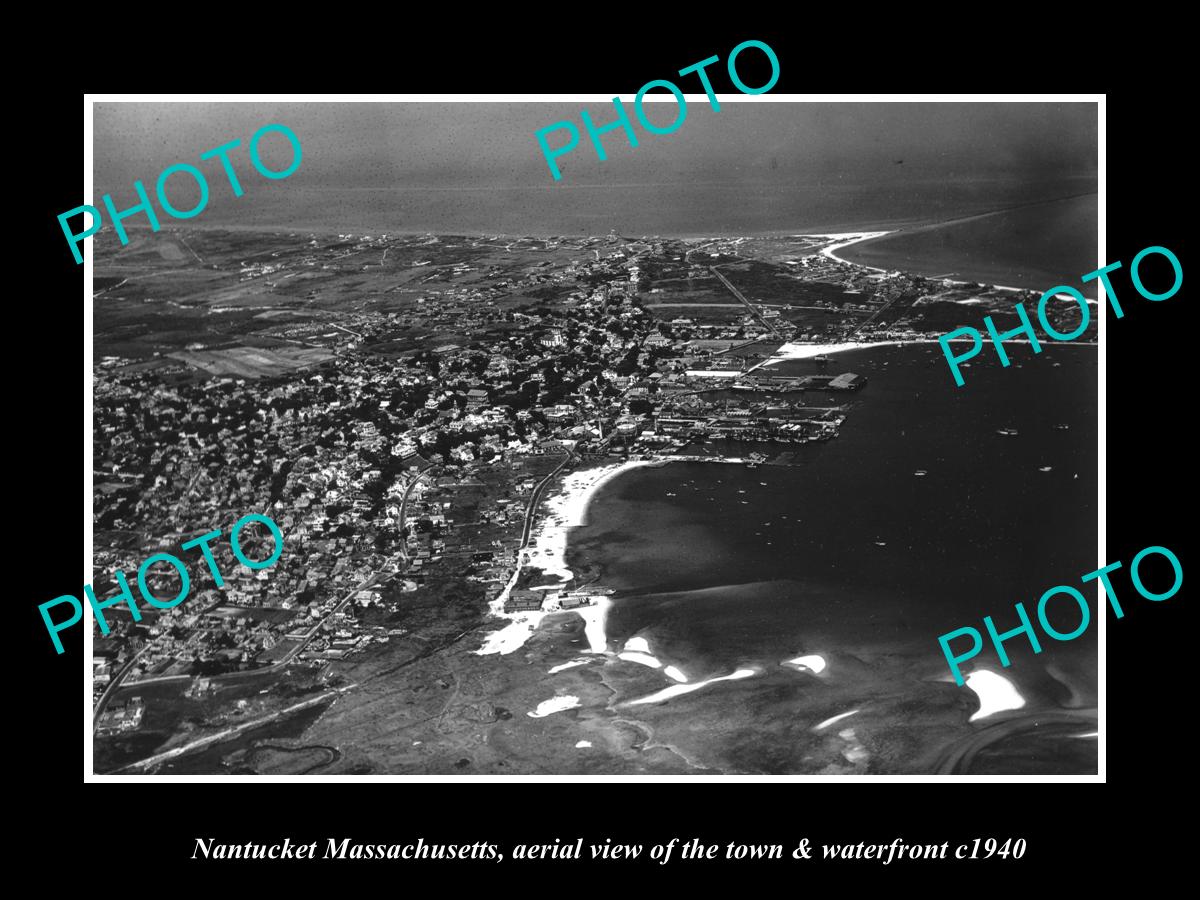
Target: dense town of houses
[[393, 471]]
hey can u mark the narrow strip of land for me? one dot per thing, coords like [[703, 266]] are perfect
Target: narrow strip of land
[[230, 732]]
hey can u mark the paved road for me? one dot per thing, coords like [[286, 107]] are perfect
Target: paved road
[[291, 654], [404, 509], [531, 510], [286, 660], [750, 306], [698, 305], [875, 315], [347, 330], [113, 685]]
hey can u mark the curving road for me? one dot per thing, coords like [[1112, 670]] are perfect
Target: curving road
[[531, 509]]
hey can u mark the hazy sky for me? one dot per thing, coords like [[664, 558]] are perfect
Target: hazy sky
[[375, 145]]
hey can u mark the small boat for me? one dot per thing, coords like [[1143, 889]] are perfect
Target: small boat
[[1007, 432], [920, 472], [881, 543], [1044, 468], [1062, 426], [821, 359]]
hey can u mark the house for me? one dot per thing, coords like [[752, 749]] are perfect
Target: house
[[414, 462], [523, 601]]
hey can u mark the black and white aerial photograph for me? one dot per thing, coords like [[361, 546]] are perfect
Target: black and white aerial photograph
[[656, 468]]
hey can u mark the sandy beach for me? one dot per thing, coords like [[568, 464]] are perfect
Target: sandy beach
[[841, 241], [790, 351], [563, 510], [795, 350]]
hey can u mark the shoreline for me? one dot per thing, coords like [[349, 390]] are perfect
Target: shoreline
[[862, 237], [847, 239], [990, 698], [376, 231], [794, 350], [991, 694], [856, 237], [353, 232], [546, 550]]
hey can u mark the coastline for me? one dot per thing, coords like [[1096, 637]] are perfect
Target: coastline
[[972, 247], [546, 550], [988, 697], [845, 240], [653, 677], [850, 238], [792, 350]]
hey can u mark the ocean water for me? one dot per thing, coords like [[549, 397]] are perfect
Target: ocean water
[[944, 226], [854, 557], [751, 168], [1017, 232], [1037, 246]]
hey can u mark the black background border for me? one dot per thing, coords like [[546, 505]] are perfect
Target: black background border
[[1148, 449]]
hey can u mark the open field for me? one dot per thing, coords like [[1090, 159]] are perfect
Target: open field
[[250, 362]]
